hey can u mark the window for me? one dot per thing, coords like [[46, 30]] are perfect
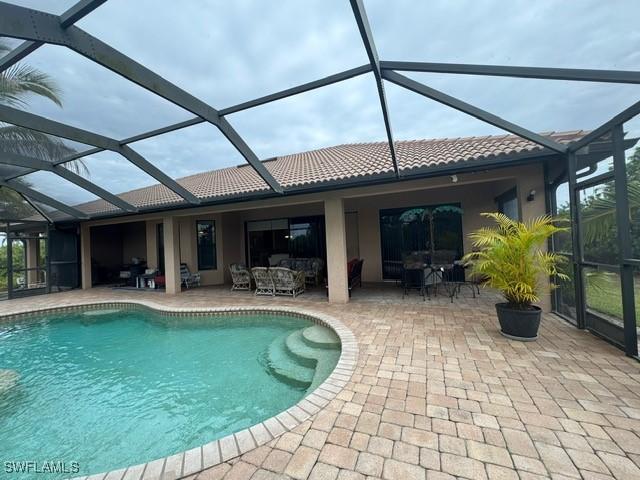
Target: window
[[306, 237], [508, 204], [206, 232], [405, 230], [271, 240], [160, 243], [268, 241]]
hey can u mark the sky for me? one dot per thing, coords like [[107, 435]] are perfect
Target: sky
[[228, 52]]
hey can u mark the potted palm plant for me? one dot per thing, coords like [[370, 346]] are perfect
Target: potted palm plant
[[509, 257]]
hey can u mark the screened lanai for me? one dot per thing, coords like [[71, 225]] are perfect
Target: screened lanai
[[151, 94]]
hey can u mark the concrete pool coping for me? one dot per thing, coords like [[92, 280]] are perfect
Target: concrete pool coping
[[192, 461]]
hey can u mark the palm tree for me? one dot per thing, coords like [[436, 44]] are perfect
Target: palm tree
[[511, 258], [599, 214], [16, 85]]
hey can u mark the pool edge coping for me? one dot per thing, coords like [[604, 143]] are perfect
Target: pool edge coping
[[195, 460]]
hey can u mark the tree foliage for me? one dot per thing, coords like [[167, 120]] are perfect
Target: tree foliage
[[17, 85]]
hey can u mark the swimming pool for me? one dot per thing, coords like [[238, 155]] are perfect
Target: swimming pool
[[109, 388]]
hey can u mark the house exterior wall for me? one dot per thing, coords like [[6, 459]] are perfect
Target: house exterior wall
[[476, 193], [152, 242], [189, 247], [352, 233], [473, 200], [532, 178]]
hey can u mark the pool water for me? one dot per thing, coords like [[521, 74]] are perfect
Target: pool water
[[117, 388]]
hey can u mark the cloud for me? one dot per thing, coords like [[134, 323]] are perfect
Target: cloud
[[228, 52]]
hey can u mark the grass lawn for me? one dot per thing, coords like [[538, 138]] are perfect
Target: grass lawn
[[604, 295]]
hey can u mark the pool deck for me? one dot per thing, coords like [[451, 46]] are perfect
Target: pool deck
[[438, 393]]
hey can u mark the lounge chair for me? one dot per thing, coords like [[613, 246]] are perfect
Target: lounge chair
[[240, 276], [287, 281], [187, 278], [264, 282]]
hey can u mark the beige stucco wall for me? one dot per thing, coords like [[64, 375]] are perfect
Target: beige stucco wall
[[352, 228], [532, 178], [32, 260], [152, 242]]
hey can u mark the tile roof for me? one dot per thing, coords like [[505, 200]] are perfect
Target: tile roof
[[341, 162]]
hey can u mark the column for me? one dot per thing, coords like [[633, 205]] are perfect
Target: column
[[85, 255], [336, 250], [171, 232], [32, 260]]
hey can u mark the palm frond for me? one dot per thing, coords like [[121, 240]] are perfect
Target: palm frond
[[21, 80], [511, 256], [16, 85], [599, 212], [30, 143]]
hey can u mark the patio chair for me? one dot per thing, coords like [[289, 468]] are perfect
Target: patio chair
[[287, 281], [458, 279], [240, 276], [264, 282], [313, 272], [414, 273], [436, 275], [187, 278]]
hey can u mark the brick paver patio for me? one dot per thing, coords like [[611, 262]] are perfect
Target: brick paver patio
[[438, 393]]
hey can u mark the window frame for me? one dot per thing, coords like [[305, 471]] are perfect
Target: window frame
[[212, 223], [510, 194]]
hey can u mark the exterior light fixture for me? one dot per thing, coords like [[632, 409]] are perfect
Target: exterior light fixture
[[532, 195]]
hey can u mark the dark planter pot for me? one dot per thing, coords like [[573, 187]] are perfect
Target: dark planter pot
[[518, 324]]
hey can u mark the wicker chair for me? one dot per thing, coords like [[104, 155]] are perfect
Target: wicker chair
[[264, 282], [287, 281], [240, 276], [312, 268]]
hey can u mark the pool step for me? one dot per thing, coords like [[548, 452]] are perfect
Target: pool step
[[285, 367], [300, 351], [321, 359], [320, 337]]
